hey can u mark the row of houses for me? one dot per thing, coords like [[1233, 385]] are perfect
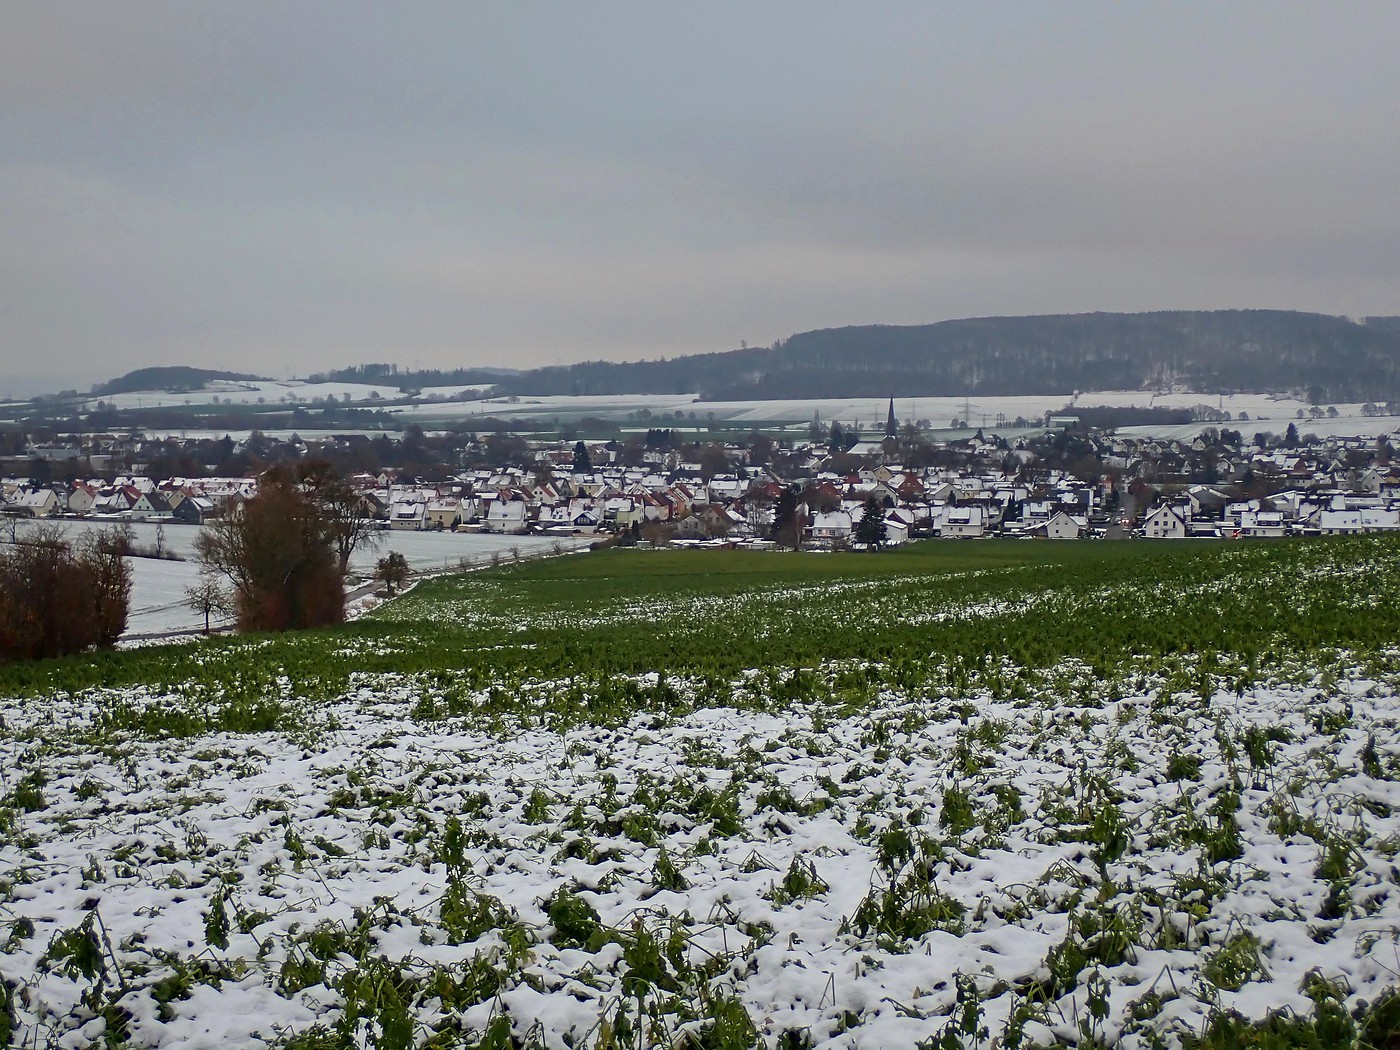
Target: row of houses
[[743, 505], [1337, 515], [130, 498], [991, 487]]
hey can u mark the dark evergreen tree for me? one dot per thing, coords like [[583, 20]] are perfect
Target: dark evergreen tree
[[582, 464], [870, 530], [786, 528]]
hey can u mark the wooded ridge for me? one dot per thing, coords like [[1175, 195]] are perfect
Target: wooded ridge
[[1316, 356]]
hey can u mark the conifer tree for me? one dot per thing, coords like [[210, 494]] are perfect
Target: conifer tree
[[870, 530]]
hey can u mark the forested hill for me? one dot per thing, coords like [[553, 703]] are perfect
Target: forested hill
[[170, 377], [1274, 351]]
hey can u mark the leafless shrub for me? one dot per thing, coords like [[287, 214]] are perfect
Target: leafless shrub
[[57, 599]]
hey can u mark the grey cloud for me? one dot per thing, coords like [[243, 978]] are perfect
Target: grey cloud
[[511, 183]]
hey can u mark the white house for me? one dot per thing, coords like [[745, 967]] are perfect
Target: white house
[[150, 506], [1062, 526], [81, 498], [1263, 523], [897, 526], [407, 516], [1350, 522], [442, 513], [1164, 523], [34, 503], [831, 527], [961, 522], [112, 502], [506, 516]]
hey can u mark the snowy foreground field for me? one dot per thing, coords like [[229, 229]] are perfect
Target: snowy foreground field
[[1085, 852]]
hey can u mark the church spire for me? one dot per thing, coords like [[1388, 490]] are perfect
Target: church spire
[[891, 424]]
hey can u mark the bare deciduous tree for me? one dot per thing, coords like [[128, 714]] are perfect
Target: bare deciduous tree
[[393, 570], [279, 554], [342, 508], [209, 597]]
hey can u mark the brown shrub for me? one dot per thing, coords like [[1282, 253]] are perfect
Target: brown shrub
[[56, 599]]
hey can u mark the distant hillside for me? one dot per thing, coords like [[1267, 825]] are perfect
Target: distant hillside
[[172, 377], [1318, 357]]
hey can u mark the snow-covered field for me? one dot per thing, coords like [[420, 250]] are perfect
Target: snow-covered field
[[1341, 425], [254, 392], [939, 411], [681, 409], [649, 799], [158, 603], [277, 433], [993, 414], [1087, 867]]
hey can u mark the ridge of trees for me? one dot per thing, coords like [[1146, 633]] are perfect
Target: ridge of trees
[[1321, 357], [169, 377], [413, 379]]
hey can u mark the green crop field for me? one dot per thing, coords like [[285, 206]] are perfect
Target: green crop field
[[955, 612], [955, 795]]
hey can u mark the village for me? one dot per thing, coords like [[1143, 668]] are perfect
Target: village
[[1062, 482]]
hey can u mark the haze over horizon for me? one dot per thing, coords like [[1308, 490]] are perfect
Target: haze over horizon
[[260, 187]]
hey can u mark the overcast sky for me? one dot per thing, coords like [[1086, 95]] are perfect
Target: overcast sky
[[286, 187]]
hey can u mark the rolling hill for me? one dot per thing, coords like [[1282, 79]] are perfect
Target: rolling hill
[[1315, 356], [169, 377]]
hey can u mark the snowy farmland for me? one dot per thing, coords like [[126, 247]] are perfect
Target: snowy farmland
[[939, 411], [253, 392], [439, 407], [403, 834], [528, 872]]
